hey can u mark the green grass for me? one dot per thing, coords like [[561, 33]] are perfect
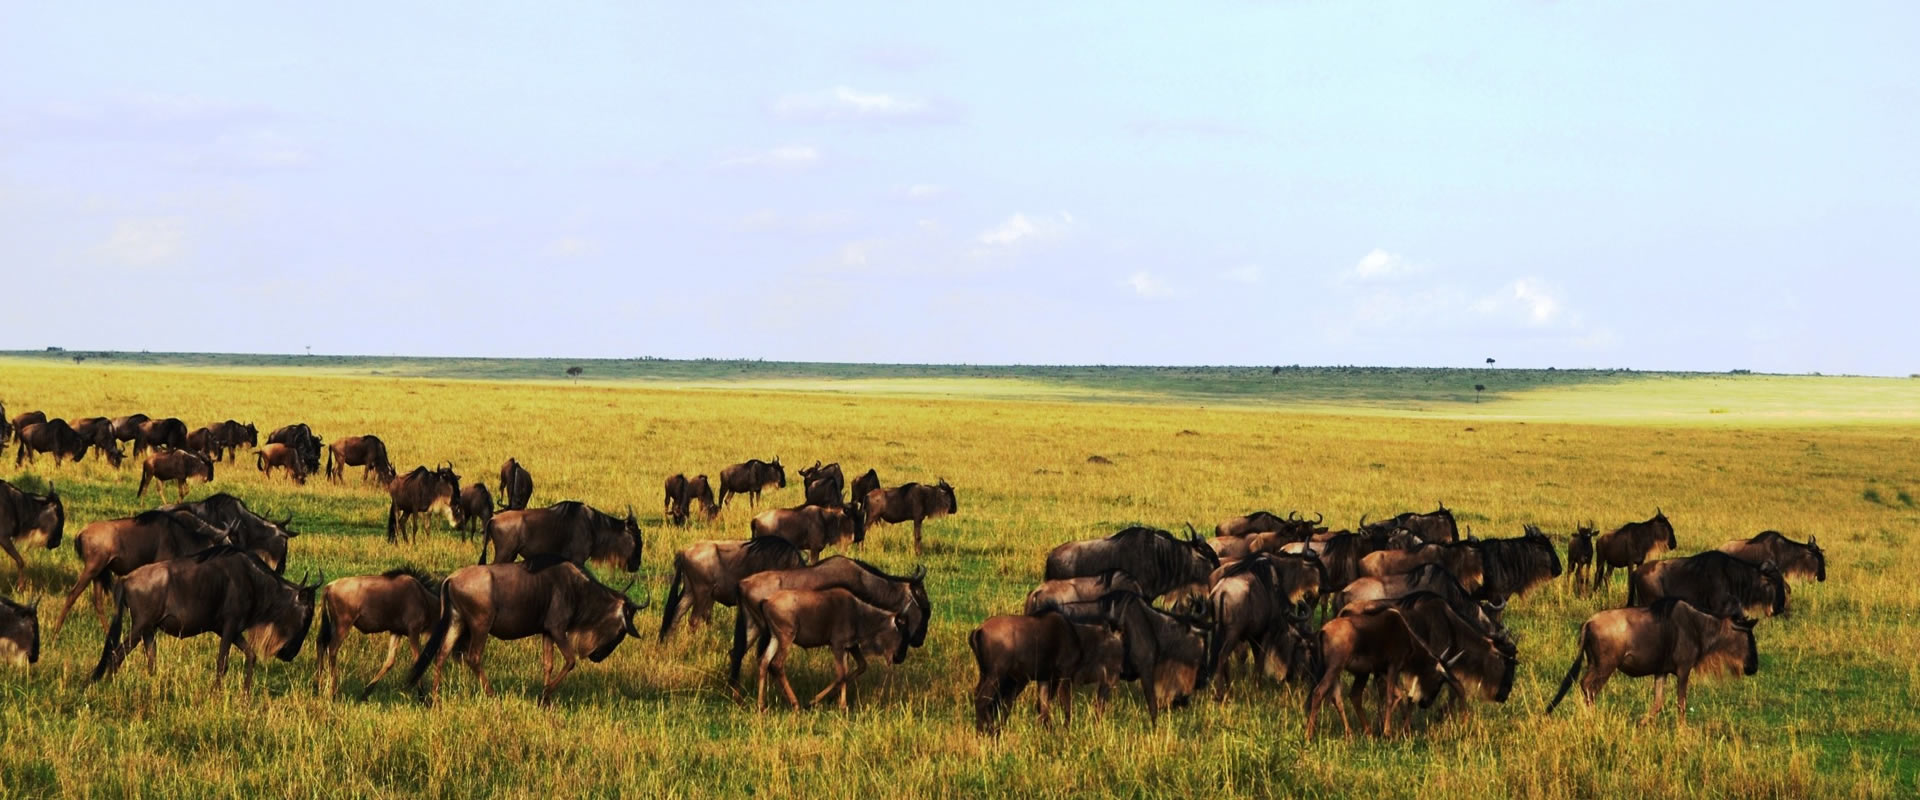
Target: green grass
[[1830, 714]]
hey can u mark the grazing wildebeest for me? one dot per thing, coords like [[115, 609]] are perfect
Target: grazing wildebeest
[[516, 485], [547, 596], [229, 436], [1515, 566], [1169, 652], [420, 492], [1468, 650], [98, 431], [1434, 578], [1300, 575], [473, 509], [116, 547], [1714, 582], [824, 484], [570, 529], [1580, 557], [169, 432], [402, 603], [223, 591], [680, 494], [1794, 559], [1463, 559], [25, 419], [711, 571], [811, 528], [176, 466], [200, 440], [283, 456], [56, 437], [19, 631], [831, 618], [22, 514], [750, 478], [1268, 522], [263, 537], [1379, 644], [913, 501], [301, 438], [1669, 638], [1044, 646], [1435, 527], [1160, 562], [1086, 589], [867, 582], [1250, 607], [127, 428], [863, 486], [359, 451], [1631, 545]]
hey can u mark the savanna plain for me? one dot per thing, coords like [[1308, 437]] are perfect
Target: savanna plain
[[1830, 713]]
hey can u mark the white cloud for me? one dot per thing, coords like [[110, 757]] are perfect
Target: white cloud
[[843, 103], [925, 190], [1021, 227], [786, 156], [145, 242], [1526, 297], [1250, 273], [1145, 285], [1380, 264]]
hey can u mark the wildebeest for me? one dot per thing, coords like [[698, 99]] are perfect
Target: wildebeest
[[1080, 590], [863, 486], [283, 456], [1515, 566], [1169, 652], [912, 501], [6, 428], [230, 436], [1374, 644], [1435, 527], [824, 484], [1463, 559], [402, 603], [359, 451], [1340, 555], [1434, 578], [223, 591], [1250, 607], [19, 633], [1300, 577], [547, 596], [420, 492], [200, 440], [301, 438], [116, 547], [175, 466], [22, 514], [1631, 545], [750, 477], [168, 432], [1580, 556], [1794, 559], [710, 572], [1044, 646], [1268, 522], [473, 509], [866, 581], [680, 494], [1714, 582], [25, 419], [1668, 638], [98, 431], [1466, 648], [127, 428], [516, 485], [570, 529], [1160, 562], [56, 437], [811, 528], [831, 618]]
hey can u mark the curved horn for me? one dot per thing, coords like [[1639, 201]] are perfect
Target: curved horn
[[1363, 521], [1318, 518], [319, 583], [1293, 515], [919, 573]]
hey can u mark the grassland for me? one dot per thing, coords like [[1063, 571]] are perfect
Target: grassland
[[1832, 712]]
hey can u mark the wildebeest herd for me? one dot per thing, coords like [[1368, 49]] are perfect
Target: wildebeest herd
[[1405, 604]]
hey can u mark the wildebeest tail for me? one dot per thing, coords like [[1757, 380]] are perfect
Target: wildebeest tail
[[146, 474], [110, 651], [393, 517], [1632, 583], [326, 628], [435, 641], [1579, 657], [673, 598], [739, 643]]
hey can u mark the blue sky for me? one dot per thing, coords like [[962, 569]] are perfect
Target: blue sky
[[1654, 185]]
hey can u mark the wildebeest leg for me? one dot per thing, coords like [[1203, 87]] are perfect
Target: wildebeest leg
[[566, 666], [1043, 704], [20, 564], [986, 702], [148, 643], [220, 662], [476, 633], [766, 659], [253, 660], [1150, 686], [1063, 690], [1659, 698], [1358, 694], [393, 650], [839, 679], [546, 660], [916, 535], [1680, 688], [1389, 692], [846, 683], [1100, 696], [1319, 696]]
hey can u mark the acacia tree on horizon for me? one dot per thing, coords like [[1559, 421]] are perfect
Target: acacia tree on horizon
[[574, 372]]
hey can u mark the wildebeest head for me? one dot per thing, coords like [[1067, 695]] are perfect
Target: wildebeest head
[[19, 633], [271, 544], [610, 623], [1819, 559], [630, 527], [1776, 587], [247, 435], [50, 518], [779, 471], [953, 503], [852, 521], [916, 619], [1751, 664], [112, 453], [1663, 526], [291, 617]]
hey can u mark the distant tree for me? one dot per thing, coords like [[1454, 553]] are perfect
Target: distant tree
[[1489, 360], [79, 358], [574, 372], [1477, 389]]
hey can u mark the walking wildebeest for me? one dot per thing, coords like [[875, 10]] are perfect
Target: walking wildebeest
[[1669, 638], [680, 494], [1435, 527], [98, 431], [402, 603], [1515, 566], [1714, 582], [1080, 590], [1794, 559], [175, 466], [264, 538], [1340, 555], [830, 618], [711, 572], [750, 478], [23, 513], [863, 486], [116, 547], [169, 432], [867, 582], [1250, 607], [547, 596], [811, 528], [56, 437], [127, 428], [1161, 563], [25, 419], [1466, 648], [283, 456], [824, 484], [1580, 557], [201, 441], [1631, 545], [913, 501], [1169, 652], [360, 451], [473, 509], [1375, 644], [19, 630], [1044, 646], [516, 485], [229, 436], [223, 591], [1463, 559], [570, 529], [1434, 578], [420, 492], [301, 438]]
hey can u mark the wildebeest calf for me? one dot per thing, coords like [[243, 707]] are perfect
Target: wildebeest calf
[[1012, 651], [831, 618], [174, 466], [284, 457], [403, 603]]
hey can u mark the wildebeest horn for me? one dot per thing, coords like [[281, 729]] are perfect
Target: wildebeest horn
[[319, 583], [1363, 520], [1294, 514], [1318, 517], [1192, 535], [919, 573], [630, 582]]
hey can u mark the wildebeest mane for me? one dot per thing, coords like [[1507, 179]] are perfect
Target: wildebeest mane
[[1508, 565], [770, 547], [1745, 580], [431, 583], [882, 574]]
